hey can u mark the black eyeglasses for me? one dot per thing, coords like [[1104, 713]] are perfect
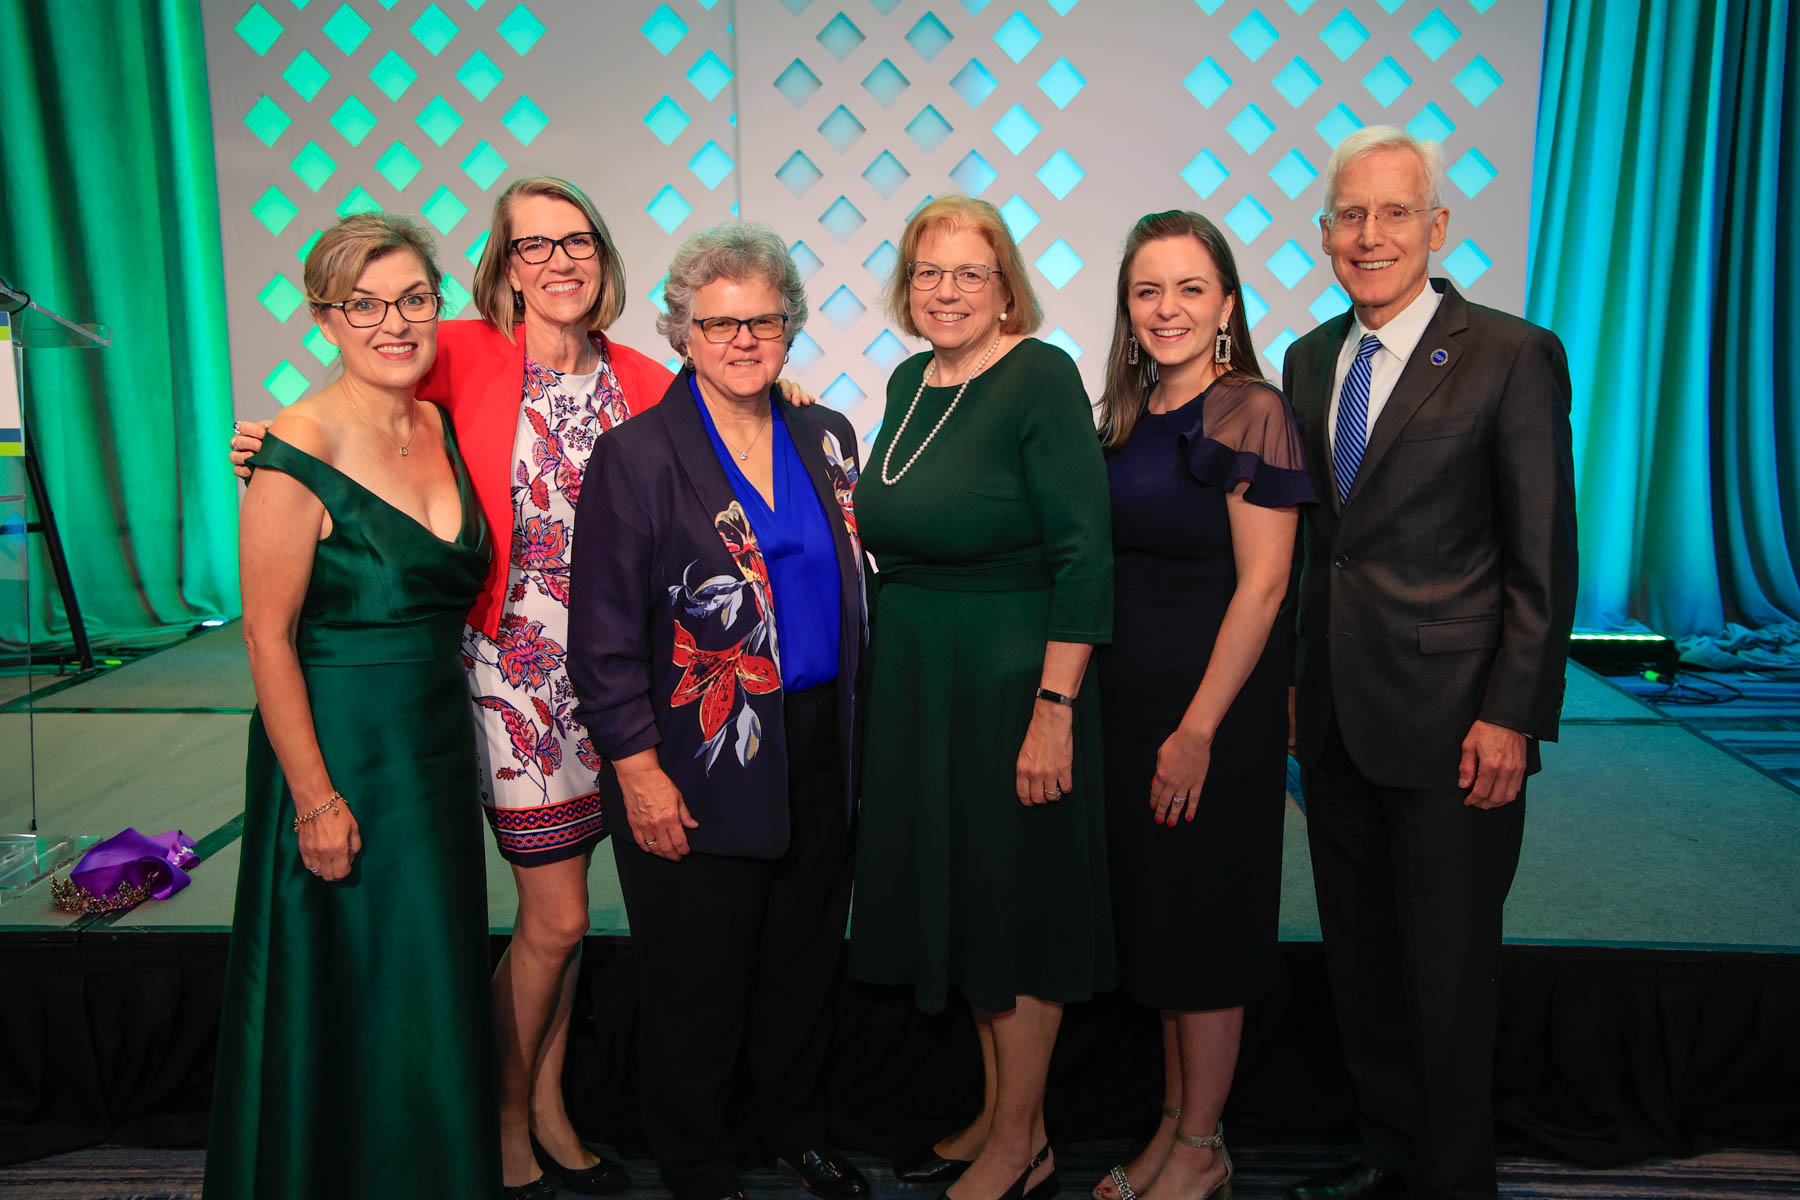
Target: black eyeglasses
[[366, 312], [539, 249], [765, 328], [970, 277]]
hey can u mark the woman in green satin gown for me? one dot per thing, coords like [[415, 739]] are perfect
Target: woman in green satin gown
[[355, 1045]]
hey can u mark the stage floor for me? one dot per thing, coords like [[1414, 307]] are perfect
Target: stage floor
[[1642, 833]]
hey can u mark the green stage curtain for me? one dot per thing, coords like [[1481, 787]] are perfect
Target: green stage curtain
[[111, 215], [1664, 252]]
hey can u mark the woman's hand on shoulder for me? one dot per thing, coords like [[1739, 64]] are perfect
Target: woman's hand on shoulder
[[246, 439], [794, 394], [654, 807]]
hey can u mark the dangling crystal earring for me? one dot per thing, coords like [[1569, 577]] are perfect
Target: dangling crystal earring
[[1131, 349], [1222, 347]]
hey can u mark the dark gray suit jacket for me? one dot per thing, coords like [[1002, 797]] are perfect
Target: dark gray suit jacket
[[1443, 589]]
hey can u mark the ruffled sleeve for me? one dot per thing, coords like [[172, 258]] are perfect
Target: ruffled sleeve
[[1247, 431]]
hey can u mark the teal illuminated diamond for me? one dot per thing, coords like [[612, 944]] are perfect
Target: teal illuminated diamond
[[1060, 173], [1293, 174], [972, 174], [661, 301], [1017, 129], [1297, 82], [477, 248], [711, 165], [805, 260], [1467, 263], [434, 30], [306, 246], [1209, 7], [346, 30], [885, 174], [258, 29], [1255, 307], [885, 83], [358, 201], [1481, 6], [880, 262], [444, 210], [1289, 264], [274, 211], [884, 7], [663, 29], [439, 121], [1300, 6], [1062, 83], [286, 383], [1386, 82], [1250, 129], [306, 75], [1275, 353], [886, 351], [797, 83], [319, 346], [840, 37], [1207, 82], [928, 37], [393, 76], [1204, 174], [1435, 34], [1058, 264], [843, 394], [480, 75], [1477, 81], [1017, 37], [525, 120], [843, 309], [1431, 125], [1248, 219], [520, 30], [1059, 337], [456, 296], [1062, 7], [280, 297], [1254, 35], [842, 219], [1338, 124], [484, 165], [974, 83], [353, 120], [1344, 35], [1330, 303], [1389, 6], [709, 75], [669, 209], [805, 353], [1019, 216], [1472, 173], [266, 120], [841, 128], [929, 129], [666, 120], [313, 166], [798, 174]]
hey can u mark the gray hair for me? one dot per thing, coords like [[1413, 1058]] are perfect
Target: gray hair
[[1372, 138], [739, 251]]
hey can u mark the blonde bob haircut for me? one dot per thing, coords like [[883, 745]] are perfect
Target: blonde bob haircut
[[343, 252], [502, 307], [1023, 313]]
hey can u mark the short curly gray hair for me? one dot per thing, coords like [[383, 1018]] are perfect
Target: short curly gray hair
[[742, 250]]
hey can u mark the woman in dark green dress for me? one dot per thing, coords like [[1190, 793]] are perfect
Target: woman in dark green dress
[[355, 1052], [981, 857]]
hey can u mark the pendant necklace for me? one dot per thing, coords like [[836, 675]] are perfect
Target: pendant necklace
[[406, 447], [888, 458]]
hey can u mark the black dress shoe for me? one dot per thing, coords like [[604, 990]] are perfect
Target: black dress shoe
[[928, 1166], [537, 1189], [826, 1175], [1352, 1181], [602, 1179]]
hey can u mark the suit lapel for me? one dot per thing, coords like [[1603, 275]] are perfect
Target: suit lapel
[[1419, 378], [808, 443], [694, 449]]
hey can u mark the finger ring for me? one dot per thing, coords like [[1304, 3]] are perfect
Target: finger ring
[[649, 841], [1053, 793], [1179, 799], [314, 870]]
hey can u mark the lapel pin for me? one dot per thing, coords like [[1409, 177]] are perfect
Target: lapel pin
[[1439, 357]]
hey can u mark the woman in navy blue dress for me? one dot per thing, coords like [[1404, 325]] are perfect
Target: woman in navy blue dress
[[1206, 473]]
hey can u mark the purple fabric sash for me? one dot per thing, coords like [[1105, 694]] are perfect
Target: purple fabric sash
[[159, 865]]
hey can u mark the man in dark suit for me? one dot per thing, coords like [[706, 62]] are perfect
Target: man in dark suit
[[1436, 596]]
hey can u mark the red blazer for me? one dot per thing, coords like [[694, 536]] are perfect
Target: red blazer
[[479, 377]]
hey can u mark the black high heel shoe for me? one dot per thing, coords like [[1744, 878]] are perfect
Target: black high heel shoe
[[1045, 1189], [602, 1179]]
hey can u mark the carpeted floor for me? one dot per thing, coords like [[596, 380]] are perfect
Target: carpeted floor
[[1753, 714], [1263, 1173]]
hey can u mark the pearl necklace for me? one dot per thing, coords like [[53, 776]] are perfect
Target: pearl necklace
[[887, 459]]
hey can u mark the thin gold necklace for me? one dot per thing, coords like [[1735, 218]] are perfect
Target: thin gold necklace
[[406, 447]]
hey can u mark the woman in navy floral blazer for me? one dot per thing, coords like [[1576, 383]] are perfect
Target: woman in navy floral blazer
[[716, 628]]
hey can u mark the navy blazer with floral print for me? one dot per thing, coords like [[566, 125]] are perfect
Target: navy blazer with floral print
[[672, 639]]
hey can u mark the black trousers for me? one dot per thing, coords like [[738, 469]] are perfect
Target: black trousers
[[1411, 884], [739, 959]]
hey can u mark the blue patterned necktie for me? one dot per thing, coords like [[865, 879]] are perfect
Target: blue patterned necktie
[[1353, 418]]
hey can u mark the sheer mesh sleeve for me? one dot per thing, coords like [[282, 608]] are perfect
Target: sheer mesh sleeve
[[1248, 432]]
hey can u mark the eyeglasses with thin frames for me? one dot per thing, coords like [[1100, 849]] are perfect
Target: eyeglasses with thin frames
[[366, 312], [535, 250], [764, 328], [969, 277], [1390, 218]]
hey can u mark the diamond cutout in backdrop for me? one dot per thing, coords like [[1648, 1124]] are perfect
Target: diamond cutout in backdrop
[[1300, 6], [1060, 173], [929, 129], [1255, 307], [1059, 264], [797, 83], [841, 128], [840, 37], [974, 83], [346, 30], [480, 75], [1435, 34], [666, 120], [286, 383], [358, 201], [843, 309], [1338, 124], [484, 165], [805, 353], [313, 166], [525, 120], [1472, 173], [319, 346], [1017, 129], [1387, 82], [455, 296], [972, 174], [439, 120], [1250, 128], [1248, 219], [398, 165], [280, 297], [842, 219], [805, 260], [1020, 217], [711, 165], [521, 29], [1059, 337], [307, 245], [1331, 302], [1431, 125], [798, 174], [885, 83], [1275, 353], [392, 75], [886, 352], [1477, 81], [1204, 174], [1207, 82], [1467, 264], [1289, 264], [444, 210], [1254, 35], [1017, 37], [1062, 83], [306, 75], [1293, 174], [885, 174], [880, 263], [258, 29], [266, 120], [473, 253], [669, 209], [434, 30], [1344, 35], [709, 75], [1297, 82], [663, 29], [928, 37], [353, 120], [843, 394]]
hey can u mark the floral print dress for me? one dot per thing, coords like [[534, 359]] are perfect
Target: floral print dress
[[539, 784]]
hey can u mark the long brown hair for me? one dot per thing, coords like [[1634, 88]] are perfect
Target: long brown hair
[[1128, 384]]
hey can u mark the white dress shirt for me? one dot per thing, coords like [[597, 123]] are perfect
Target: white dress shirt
[[1399, 338]]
